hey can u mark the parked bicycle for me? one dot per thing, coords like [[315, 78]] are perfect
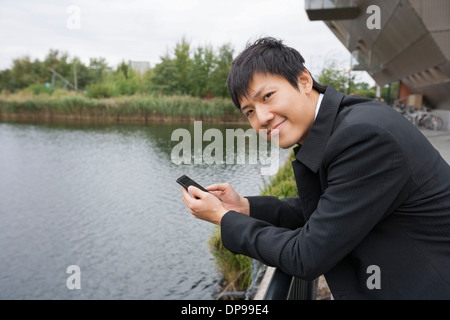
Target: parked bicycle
[[422, 118]]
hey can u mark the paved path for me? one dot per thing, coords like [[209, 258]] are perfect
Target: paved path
[[440, 140]]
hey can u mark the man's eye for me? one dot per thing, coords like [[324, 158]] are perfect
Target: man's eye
[[267, 96], [248, 113]]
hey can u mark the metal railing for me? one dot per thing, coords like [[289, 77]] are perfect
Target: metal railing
[[285, 287], [281, 287]]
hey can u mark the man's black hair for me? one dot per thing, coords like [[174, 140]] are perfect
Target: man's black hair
[[267, 56]]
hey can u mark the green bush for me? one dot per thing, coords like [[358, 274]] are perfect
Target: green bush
[[126, 86], [102, 90], [39, 89], [283, 184]]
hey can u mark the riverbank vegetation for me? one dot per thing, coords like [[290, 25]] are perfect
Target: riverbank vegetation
[[69, 106], [189, 83]]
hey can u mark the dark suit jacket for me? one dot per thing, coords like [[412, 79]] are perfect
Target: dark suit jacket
[[372, 191]]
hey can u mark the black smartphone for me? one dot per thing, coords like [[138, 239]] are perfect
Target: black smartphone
[[185, 181]]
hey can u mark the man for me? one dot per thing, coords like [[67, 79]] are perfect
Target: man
[[374, 195]]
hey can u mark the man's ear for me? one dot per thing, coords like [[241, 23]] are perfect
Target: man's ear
[[305, 82]]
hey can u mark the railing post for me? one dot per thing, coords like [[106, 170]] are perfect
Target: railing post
[[302, 289], [279, 286]]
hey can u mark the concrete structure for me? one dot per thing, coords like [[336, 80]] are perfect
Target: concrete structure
[[395, 40]]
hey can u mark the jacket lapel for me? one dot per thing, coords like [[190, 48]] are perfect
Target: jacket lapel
[[309, 156]]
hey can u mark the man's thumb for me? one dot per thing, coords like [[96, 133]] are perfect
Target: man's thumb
[[196, 192]]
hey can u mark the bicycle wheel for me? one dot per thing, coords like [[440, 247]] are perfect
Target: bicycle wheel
[[434, 123]]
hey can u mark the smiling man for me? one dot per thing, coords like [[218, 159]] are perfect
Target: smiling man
[[373, 193], [273, 104]]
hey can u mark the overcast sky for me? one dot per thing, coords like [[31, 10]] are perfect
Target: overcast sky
[[144, 30]]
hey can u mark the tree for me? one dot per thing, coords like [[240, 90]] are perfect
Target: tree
[[22, 73], [333, 76], [124, 69], [182, 63], [5, 80], [97, 69], [200, 71], [390, 92], [146, 84], [164, 77], [218, 79], [344, 81], [363, 89]]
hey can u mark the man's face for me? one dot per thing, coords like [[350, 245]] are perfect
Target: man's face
[[273, 103]]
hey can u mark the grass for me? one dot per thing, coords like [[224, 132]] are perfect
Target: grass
[[283, 184], [235, 268]]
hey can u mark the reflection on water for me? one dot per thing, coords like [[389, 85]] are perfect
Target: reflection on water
[[104, 198]]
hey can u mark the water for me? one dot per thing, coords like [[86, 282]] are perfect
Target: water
[[104, 198]]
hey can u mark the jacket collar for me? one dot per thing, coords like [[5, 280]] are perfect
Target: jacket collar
[[311, 152]]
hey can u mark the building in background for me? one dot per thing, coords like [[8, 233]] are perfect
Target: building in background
[[139, 66], [409, 43]]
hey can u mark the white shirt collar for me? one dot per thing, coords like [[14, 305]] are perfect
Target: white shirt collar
[[319, 102]]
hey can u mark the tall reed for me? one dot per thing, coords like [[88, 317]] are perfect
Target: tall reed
[[142, 107]]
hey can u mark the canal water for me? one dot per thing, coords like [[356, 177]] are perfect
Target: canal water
[[104, 198]]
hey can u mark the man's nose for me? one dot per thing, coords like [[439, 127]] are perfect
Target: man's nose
[[264, 115]]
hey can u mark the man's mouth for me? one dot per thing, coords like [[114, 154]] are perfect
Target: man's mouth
[[277, 127]]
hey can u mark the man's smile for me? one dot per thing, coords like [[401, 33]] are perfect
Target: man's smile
[[277, 127]]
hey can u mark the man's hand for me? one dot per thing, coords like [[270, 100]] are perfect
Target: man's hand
[[204, 205], [231, 200]]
